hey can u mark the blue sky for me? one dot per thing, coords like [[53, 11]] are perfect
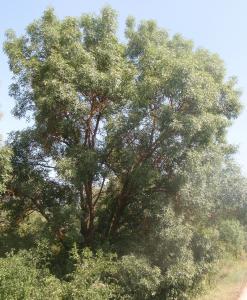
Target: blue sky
[[218, 25]]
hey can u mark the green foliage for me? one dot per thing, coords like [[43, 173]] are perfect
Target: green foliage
[[104, 276], [169, 249], [5, 167], [233, 235], [206, 246], [92, 278], [133, 115], [127, 154], [20, 279], [137, 278]]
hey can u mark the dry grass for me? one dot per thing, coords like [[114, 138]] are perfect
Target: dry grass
[[230, 281]]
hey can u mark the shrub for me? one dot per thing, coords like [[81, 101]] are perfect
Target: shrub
[[169, 248], [137, 278], [106, 277], [233, 236], [20, 279], [92, 278]]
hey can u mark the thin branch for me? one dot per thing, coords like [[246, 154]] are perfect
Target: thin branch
[[96, 129], [43, 165], [100, 191]]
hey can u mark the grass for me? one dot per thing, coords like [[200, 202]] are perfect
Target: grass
[[229, 282]]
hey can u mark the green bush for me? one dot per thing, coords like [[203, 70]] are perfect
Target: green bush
[[207, 250], [106, 277], [92, 278], [233, 235], [137, 278], [20, 279], [169, 248], [206, 245]]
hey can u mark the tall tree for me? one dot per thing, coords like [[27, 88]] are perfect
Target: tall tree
[[117, 122]]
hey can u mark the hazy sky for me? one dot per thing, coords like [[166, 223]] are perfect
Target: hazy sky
[[218, 25]]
